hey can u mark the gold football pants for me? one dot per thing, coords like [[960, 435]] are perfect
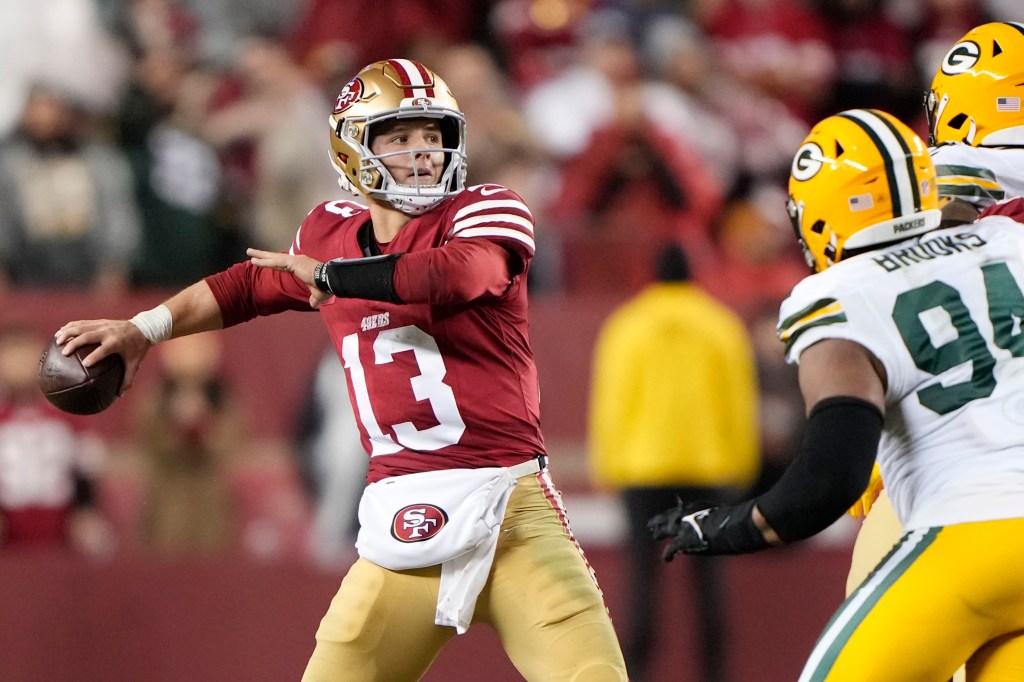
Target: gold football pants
[[941, 597], [879, 531], [541, 598]]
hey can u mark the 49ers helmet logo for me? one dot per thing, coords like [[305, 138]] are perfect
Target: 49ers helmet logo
[[349, 95], [418, 522]]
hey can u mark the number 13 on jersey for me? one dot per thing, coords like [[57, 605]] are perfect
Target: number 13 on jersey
[[427, 385]]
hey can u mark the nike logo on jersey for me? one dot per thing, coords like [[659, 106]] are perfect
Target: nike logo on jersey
[[488, 191]]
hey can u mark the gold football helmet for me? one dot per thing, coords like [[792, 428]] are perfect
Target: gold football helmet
[[976, 93], [861, 179], [386, 90]]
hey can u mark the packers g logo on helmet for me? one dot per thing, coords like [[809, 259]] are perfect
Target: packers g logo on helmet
[[976, 93], [386, 90], [807, 162], [860, 180], [960, 58]]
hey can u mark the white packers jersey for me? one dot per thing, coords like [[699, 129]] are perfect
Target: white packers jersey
[[943, 314], [980, 175]]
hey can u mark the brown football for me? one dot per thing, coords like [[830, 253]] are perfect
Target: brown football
[[74, 388]]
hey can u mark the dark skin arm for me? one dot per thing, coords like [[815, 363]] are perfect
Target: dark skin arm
[[835, 367]]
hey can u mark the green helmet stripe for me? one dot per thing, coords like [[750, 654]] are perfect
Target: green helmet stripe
[[899, 166]]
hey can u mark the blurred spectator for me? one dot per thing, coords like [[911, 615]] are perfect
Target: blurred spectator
[[536, 39], [177, 173], [751, 134], [152, 25], [673, 415], [48, 462], [368, 32], [679, 55], [626, 183], [758, 265], [278, 117], [225, 25], [68, 216], [565, 110], [781, 408], [188, 434], [332, 463], [874, 59], [632, 189], [61, 42], [776, 47]]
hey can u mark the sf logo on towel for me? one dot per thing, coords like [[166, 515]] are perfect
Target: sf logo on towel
[[418, 522]]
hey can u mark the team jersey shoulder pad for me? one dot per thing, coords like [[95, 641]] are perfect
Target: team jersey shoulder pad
[[814, 302], [325, 220], [963, 171], [492, 212]]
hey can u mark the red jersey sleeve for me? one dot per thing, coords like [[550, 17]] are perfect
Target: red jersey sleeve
[[497, 214], [462, 271], [1011, 208], [245, 291]]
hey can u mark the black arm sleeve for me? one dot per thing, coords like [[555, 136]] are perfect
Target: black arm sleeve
[[371, 278], [830, 472]]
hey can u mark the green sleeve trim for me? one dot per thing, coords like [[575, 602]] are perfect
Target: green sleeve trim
[[942, 170], [824, 311]]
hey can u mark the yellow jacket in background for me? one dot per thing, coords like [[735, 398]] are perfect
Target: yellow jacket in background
[[674, 394]]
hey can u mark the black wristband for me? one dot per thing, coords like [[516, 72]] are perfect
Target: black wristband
[[320, 278], [370, 278]]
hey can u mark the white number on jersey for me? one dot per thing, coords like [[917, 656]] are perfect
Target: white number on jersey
[[427, 385]]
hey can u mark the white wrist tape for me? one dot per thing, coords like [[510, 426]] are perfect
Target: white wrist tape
[[154, 324]]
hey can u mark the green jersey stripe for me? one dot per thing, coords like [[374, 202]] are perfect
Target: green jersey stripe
[[818, 322], [948, 190], [945, 170], [804, 312]]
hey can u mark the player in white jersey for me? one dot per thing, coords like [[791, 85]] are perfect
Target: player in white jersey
[[976, 134], [975, 121], [909, 345]]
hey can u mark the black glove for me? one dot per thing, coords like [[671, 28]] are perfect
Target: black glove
[[703, 528]]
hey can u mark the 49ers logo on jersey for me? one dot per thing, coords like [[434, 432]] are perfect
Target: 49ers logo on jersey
[[349, 95], [418, 522]]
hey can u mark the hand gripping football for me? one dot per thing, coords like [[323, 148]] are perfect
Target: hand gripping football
[[74, 388]]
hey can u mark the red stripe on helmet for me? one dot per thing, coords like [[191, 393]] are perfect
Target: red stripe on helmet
[[426, 78], [401, 67]]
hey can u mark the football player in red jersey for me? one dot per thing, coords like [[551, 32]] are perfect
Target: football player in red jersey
[[423, 292]]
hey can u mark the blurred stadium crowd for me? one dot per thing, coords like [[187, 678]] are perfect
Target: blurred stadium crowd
[[145, 143]]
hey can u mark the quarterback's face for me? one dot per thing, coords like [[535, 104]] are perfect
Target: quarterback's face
[[405, 146]]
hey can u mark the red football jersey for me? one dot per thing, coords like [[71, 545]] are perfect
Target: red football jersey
[[435, 386], [41, 452]]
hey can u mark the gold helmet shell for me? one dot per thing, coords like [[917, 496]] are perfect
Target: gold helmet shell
[[860, 180], [976, 93], [386, 90]]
